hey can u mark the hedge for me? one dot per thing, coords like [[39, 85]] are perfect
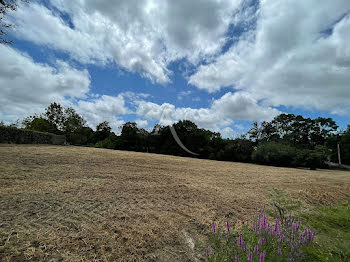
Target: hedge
[[11, 135]]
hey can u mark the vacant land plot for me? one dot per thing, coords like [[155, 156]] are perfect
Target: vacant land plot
[[83, 204]]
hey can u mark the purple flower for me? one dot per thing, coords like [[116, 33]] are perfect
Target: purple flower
[[291, 260], [262, 256], [214, 228], [250, 257], [228, 226], [279, 251], [277, 225], [245, 249], [261, 242], [237, 258], [256, 249], [264, 221], [207, 251], [239, 241]]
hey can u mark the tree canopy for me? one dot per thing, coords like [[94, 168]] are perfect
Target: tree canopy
[[287, 140]]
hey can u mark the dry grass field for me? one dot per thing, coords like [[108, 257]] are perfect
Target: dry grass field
[[85, 204]]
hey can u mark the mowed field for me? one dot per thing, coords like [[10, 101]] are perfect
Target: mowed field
[[63, 203]]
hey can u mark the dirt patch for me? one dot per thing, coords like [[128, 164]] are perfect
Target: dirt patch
[[84, 204]]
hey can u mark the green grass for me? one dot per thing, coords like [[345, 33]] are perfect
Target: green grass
[[332, 242], [332, 225]]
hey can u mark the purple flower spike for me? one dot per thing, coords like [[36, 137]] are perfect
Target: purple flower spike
[[264, 222], [250, 257], [245, 249], [214, 228], [228, 226], [237, 258], [262, 256], [281, 237], [256, 249], [279, 251], [277, 225], [291, 260], [207, 251], [240, 240], [262, 241]]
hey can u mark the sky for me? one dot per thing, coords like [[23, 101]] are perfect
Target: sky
[[219, 63]]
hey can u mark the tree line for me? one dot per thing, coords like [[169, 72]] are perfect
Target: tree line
[[288, 140]]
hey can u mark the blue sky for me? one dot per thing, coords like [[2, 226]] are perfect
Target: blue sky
[[221, 64]]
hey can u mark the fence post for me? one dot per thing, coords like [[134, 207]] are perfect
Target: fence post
[[339, 159]]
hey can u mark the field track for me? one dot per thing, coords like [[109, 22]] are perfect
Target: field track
[[65, 203]]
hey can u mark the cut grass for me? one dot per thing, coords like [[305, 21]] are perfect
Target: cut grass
[[87, 204]]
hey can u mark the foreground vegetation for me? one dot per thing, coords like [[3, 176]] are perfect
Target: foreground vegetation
[[322, 234], [287, 140]]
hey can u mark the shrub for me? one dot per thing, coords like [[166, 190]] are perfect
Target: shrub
[[275, 154], [312, 158]]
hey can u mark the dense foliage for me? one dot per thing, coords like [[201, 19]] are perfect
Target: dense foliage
[[288, 140]]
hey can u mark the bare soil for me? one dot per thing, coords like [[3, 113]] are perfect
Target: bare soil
[[65, 203]]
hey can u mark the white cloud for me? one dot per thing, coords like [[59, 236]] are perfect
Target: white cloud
[[140, 36], [183, 94], [242, 106], [217, 117], [104, 108], [27, 87], [288, 59], [141, 123]]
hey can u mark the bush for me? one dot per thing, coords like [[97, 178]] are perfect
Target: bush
[[275, 154], [312, 158], [12, 135], [110, 142]]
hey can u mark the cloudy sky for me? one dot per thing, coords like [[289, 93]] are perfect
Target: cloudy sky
[[219, 63]]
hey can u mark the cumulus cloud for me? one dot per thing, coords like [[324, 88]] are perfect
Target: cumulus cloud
[[104, 108], [141, 123], [218, 117], [296, 55], [27, 87], [140, 36]]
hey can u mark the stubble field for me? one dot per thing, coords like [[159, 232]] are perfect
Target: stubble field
[[62, 203]]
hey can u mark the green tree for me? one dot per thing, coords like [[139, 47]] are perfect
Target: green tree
[[54, 113], [103, 130], [72, 120], [39, 123], [294, 130]]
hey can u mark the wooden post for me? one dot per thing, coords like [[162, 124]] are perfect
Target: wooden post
[[339, 159]]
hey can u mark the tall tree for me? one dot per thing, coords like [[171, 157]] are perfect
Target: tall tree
[[72, 121], [55, 115], [294, 130]]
